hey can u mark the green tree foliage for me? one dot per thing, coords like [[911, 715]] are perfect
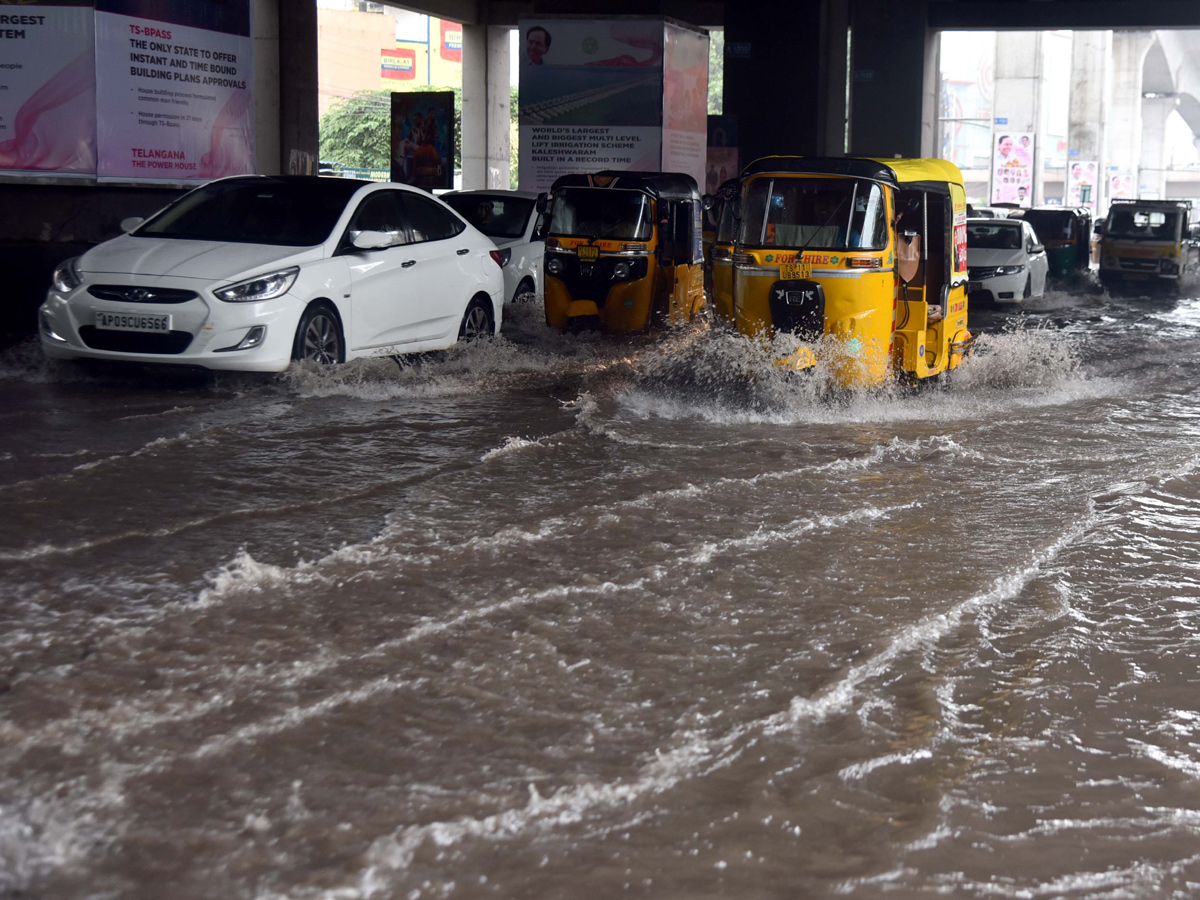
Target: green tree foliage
[[716, 71], [357, 130]]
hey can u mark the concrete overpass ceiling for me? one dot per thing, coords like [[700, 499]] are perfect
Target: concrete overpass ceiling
[[1045, 15], [706, 13]]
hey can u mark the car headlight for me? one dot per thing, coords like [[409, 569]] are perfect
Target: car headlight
[[1009, 270], [554, 266], [66, 276], [262, 287], [621, 270]]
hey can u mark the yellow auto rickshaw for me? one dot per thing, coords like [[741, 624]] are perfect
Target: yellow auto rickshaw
[[864, 260], [623, 250]]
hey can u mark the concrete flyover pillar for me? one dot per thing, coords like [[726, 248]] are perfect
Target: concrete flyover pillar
[[1020, 89], [894, 86], [299, 135], [1152, 177], [1091, 94], [485, 107], [1129, 49]]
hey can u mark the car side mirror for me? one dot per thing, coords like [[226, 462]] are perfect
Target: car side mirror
[[1037, 248], [127, 225], [372, 240], [708, 201], [1099, 229], [543, 202]]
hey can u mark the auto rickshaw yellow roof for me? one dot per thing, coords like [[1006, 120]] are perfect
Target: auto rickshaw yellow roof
[[909, 170], [897, 171]]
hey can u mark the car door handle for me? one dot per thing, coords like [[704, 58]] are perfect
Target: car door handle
[[464, 251], [407, 263]]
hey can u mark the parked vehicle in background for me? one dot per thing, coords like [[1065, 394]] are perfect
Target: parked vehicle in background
[[623, 250], [1005, 261], [511, 219], [1066, 234], [988, 212], [718, 257], [251, 272], [1148, 242]]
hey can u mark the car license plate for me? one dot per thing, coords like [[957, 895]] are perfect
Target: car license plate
[[797, 271], [587, 252], [108, 321]]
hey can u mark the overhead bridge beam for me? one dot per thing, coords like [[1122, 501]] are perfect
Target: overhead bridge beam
[[988, 15]]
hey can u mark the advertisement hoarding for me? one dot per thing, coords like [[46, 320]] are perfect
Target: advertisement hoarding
[[423, 139], [1012, 167], [48, 89], [1081, 184], [173, 89], [595, 94]]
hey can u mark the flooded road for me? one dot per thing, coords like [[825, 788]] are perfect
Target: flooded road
[[570, 617]]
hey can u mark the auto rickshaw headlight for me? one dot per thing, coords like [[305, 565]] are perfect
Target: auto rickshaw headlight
[[554, 266], [1169, 267], [1108, 262], [621, 270]]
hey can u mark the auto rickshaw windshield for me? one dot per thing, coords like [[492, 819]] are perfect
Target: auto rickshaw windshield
[[1149, 224], [602, 213], [814, 213]]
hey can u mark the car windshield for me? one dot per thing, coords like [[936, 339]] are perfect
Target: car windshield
[[1054, 226], [285, 212], [996, 234], [817, 213], [495, 215], [1146, 224], [602, 213]]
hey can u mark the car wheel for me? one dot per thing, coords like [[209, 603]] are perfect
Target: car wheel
[[525, 287], [319, 336], [477, 321]]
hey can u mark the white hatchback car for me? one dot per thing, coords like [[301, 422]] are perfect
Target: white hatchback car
[[1005, 261], [511, 219], [251, 272]]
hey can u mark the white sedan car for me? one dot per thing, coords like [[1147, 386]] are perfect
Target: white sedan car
[[1005, 261], [511, 219], [251, 272]]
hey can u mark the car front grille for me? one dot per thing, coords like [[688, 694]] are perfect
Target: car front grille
[[135, 341], [1138, 265], [978, 272], [127, 293]]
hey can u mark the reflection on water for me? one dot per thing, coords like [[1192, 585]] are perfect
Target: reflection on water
[[562, 615]]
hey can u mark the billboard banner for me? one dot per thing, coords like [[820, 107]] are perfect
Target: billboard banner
[[48, 88], [1081, 184], [423, 139], [1012, 168], [591, 97], [722, 152], [173, 89], [685, 101]]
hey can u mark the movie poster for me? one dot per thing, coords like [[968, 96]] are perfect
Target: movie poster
[[48, 88], [722, 152], [591, 97], [423, 139], [173, 89], [1012, 168], [1081, 184]]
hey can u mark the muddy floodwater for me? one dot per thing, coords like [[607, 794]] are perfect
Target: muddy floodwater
[[575, 617]]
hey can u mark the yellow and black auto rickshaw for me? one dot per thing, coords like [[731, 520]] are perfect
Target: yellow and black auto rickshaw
[[623, 250], [864, 260]]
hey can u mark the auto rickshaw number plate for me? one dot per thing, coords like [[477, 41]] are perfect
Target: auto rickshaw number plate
[[798, 271], [587, 252]]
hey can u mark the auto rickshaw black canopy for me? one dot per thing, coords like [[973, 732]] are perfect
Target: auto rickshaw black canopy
[[660, 185]]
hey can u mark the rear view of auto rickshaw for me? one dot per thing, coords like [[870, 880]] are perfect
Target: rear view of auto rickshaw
[[1067, 236], [863, 260], [623, 251]]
